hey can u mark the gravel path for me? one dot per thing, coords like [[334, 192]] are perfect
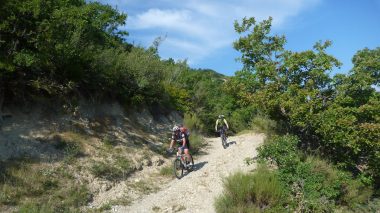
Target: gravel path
[[197, 191]]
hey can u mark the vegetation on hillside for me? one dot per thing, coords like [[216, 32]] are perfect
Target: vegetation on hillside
[[57, 49], [335, 118]]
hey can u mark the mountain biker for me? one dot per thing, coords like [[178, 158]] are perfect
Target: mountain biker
[[221, 123], [181, 136]]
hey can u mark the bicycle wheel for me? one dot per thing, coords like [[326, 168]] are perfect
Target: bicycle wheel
[[178, 168], [223, 138], [190, 165]]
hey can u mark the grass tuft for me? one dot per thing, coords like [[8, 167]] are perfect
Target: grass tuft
[[250, 192]]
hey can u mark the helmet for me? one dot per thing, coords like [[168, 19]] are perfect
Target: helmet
[[175, 128], [221, 116]]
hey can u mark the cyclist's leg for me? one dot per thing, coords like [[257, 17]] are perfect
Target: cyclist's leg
[[189, 160], [171, 143], [225, 131], [220, 132], [186, 151], [179, 152]]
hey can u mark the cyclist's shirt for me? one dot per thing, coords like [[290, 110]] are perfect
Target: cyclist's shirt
[[178, 137], [221, 123]]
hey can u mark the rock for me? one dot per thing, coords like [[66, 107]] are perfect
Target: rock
[[139, 166], [158, 161], [105, 186], [147, 162]]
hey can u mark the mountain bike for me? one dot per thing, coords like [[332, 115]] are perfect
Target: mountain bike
[[223, 137], [181, 163]]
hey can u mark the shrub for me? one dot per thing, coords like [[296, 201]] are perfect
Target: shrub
[[263, 124], [105, 170], [167, 170], [120, 169], [192, 122], [251, 192], [196, 142], [282, 150], [316, 185], [109, 142]]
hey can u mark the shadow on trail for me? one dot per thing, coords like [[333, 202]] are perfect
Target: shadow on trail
[[199, 166], [229, 143]]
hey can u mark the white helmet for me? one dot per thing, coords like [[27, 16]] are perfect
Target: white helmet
[[175, 128]]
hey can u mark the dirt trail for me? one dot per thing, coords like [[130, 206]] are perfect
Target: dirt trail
[[197, 191]]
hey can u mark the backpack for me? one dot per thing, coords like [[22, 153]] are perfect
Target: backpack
[[186, 132]]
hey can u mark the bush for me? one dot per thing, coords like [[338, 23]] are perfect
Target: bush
[[263, 124], [120, 169], [251, 192], [240, 119], [282, 150], [106, 171], [167, 171], [192, 122], [196, 142], [316, 185]]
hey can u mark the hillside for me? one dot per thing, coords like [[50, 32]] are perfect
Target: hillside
[[92, 151]]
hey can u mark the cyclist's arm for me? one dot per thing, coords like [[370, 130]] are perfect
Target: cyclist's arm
[[216, 125], [225, 121], [172, 141]]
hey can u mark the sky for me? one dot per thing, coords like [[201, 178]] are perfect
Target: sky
[[202, 31]]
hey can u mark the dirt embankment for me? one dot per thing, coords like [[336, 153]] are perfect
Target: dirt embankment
[[88, 142]]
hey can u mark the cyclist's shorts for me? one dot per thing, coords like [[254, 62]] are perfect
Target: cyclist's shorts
[[186, 147]]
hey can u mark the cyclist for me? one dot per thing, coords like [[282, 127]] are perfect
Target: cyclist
[[221, 124], [181, 136]]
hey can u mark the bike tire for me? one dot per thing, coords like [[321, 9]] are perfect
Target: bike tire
[[178, 168], [191, 168], [223, 138]]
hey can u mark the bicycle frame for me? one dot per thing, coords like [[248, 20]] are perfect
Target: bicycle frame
[[180, 165]]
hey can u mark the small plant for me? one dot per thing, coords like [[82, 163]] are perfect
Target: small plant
[[178, 208], [156, 208], [124, 164], [72, 151], [105, 170], [249, 161], [105, 207], [120, 169], [167, 171], [109, 142], [144, 187]]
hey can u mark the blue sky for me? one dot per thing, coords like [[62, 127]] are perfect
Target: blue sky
[[202, 31]]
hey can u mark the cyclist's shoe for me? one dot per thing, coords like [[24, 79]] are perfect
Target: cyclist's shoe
[[170, 150], [189, 167]]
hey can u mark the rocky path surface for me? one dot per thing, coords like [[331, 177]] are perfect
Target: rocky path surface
[[196, 191]]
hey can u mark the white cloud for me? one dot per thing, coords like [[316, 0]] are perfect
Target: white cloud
[[198, 28], [160, 18]]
